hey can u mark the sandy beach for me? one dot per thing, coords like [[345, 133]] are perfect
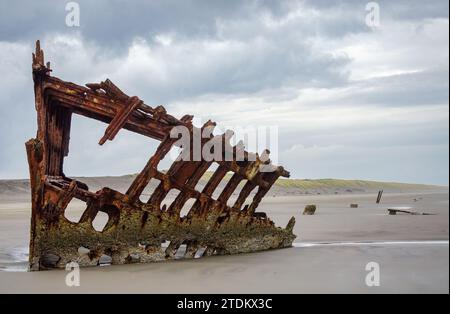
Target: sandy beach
[[330, 253]]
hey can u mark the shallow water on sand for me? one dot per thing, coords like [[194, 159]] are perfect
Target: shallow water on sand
[[17, 259], [14, 260], [420, 267]]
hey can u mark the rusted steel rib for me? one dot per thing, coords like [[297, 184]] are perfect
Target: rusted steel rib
[[120, 119], [139, 231]]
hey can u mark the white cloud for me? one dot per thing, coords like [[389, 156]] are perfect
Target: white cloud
[[397, 47]]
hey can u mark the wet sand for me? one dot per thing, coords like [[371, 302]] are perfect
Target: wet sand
[[415, 259]]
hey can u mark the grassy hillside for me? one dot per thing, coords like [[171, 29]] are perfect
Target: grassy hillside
[[13, 188], [349, 184], [340, 184]]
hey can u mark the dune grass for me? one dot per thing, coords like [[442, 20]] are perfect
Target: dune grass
[[348, 184], [326, 184]]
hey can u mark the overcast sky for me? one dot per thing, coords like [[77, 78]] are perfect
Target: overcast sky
[[350, 101]]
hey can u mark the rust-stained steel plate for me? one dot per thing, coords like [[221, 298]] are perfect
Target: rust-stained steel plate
[[138, 232]]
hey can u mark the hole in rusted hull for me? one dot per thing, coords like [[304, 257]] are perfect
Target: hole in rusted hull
[[149, 189], [169, 158], [205, 177], [170, 197], [220, 187], [105, 260], [180, 252], [236, 192], [83, 251], [49, 260], [100, 221], [74, 210], [187, 207], [200, 252]]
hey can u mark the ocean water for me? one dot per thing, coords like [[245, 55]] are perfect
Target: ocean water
[[14, 259]]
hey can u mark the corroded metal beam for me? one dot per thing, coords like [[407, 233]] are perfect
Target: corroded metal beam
[[138, 231]]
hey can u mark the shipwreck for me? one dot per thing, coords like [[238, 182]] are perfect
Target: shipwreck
[[137, 231]]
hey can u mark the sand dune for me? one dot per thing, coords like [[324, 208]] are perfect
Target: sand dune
[[16, 190]]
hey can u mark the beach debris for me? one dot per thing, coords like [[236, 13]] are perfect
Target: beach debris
[[140, 230], [354, 205], [380, 194], [405, 210], [309, 210]]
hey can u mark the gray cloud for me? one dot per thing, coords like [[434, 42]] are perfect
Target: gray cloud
[[350, 101]]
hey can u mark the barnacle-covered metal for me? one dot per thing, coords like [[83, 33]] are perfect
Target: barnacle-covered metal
[[138, 231]]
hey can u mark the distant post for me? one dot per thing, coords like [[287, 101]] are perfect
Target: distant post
[[380, 194]]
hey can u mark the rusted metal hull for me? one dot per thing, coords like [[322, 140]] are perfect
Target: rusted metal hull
[[137, 232]]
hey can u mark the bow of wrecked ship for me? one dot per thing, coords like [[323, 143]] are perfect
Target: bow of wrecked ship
[[139, 231]]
